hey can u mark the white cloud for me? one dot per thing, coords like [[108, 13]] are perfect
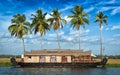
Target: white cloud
[[115, 11], [89, 9], [87, 31], [70, 39], [61, 33], [48, 16], [90, 38], [116, 35], [107, 29], [5, 22], [107, 2], [107, 8], [52, 35], [113, 42], [115, 27], [111, 2], [66, 18], [73, 32], [66, 8]]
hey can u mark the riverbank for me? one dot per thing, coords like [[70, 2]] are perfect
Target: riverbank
[[113, 63], [6, 61], [110, 63]]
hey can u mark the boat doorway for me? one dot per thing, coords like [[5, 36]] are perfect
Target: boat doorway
[[42, 58], [64, 59], [53, 59]]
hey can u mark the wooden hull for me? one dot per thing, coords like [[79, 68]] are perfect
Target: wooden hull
[[96, 64]]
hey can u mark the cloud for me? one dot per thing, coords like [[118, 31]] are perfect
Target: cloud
[[67, 19], [82, 32], [89, 9], [113, 41], [66, 8], [61, 33], [111, 2], [107, 29], [48, 16], [115, 27], [90, 39], [70, 39], [107, 8], [116, 35], [115, 11], [5, 21]]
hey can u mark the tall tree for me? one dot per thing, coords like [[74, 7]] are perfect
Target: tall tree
[[101, 18], [39, 24], [19, 27], [78, 19], [56, 21]]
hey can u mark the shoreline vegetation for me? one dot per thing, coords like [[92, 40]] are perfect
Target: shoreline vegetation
[[111, 62]]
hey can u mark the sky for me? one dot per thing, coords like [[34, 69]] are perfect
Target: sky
[[68, 36]]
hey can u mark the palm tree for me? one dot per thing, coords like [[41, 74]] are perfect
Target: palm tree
[[56, 22], [101, 18], [19, 27], [39, 24], [78, 19]]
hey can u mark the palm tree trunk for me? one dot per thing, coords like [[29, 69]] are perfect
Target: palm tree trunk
[[101, 42], [58, 39], [23, 44], [79, 39], [41, 42]]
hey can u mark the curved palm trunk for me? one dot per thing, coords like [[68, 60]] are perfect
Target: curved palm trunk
[[79, 39], [58, 39], [41, 42], [23, 44], [101, 42]]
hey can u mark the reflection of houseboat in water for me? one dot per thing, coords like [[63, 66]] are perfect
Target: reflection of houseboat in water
[[59, 58]]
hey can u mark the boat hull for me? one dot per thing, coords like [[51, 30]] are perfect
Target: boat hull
[[60, 64], [72, 64]]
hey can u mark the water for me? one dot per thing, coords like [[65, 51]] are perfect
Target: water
[[59, 71]]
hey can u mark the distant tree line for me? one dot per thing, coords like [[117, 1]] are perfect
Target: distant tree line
[[110, 56], [8, 56]]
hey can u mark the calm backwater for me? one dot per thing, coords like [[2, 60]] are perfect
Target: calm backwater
[[59, 71]]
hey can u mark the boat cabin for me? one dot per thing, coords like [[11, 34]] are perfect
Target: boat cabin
[[56, 56]]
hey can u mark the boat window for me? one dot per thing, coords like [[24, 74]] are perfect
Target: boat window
[[29, 57]]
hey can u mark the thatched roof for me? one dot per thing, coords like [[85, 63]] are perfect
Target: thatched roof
[[59, 52]]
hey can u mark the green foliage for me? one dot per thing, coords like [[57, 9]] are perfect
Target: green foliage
[[19, 26], [79, 17], [8, 56], [112, 65], [5, 64], [56, 21], [101, 18], [39, 22]]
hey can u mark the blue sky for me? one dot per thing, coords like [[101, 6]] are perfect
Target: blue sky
[[68, 36]]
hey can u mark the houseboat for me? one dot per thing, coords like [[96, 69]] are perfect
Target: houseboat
[[58, 58]]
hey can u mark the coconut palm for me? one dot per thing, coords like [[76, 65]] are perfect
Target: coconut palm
[[56, 21], [19, 27], [78, 19], [39, 24], [101, 18]]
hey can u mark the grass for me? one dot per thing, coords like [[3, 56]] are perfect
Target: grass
[[110, 63], [6, 61], [113, 63]]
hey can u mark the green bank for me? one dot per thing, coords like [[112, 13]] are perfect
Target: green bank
[[112, 65], [5, 64]]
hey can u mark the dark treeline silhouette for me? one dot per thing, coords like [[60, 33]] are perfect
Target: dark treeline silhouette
[[8, 56]]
